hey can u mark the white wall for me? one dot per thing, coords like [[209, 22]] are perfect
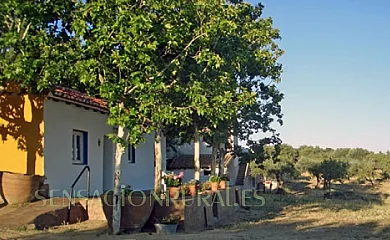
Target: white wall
[[60, 119], [140, 175]]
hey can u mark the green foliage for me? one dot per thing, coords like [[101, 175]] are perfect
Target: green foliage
[[333, 169], [169, 220], [214, 178], [358, 153], [205, 186], [37, 47], [277, 162], [363, 164], [366, 166], [226, 73], [171, 181], [157, 63], [372, 167]]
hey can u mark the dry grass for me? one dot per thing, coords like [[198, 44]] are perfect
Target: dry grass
[[358, 212]]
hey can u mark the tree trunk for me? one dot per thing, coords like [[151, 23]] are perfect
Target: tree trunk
[[196, 154], [116, 213], [221, 161], [318, 181], [214, 157], [279, 183], [325, 184], [158, 162]]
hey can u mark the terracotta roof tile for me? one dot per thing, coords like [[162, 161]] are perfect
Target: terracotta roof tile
[[74, 96], [187, 162]]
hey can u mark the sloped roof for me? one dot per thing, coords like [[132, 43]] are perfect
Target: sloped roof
[[73, 96], [186, 161]]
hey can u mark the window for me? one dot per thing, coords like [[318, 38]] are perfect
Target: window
[[79, 147], [131, 153]]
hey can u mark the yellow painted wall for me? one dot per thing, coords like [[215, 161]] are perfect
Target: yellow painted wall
[[21, 133]]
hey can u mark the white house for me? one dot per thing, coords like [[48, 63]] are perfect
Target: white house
[[71, 130], [76, 135]]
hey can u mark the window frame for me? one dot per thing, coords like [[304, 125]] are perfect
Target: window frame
[[80, 142], [130, 154]]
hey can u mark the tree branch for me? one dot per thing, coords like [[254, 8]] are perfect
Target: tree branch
[[25, 31], [128, 91], [185, 49]]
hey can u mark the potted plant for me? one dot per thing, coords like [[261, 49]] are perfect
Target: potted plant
[[214, 180], [222, 183], [136, 208], [167, 225], [173, 184], [193, 187], [205, 186]]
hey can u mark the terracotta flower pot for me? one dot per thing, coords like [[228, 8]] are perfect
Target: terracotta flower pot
[[193, 190], [222, 184], [135, 212], [20, 188], [174, 192], [214, 186]]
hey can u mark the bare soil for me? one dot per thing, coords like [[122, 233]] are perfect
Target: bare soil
[[356, 212]]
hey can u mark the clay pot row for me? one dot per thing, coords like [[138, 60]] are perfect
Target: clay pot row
[[216, 185], [175, 191]]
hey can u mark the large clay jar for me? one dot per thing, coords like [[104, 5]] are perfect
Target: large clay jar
[[136, 209], [20, 188]]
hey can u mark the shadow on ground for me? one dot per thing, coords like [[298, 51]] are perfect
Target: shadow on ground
[[358, 212], [263, 230]]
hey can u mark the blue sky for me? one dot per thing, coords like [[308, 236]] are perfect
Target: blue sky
[[336, 76]]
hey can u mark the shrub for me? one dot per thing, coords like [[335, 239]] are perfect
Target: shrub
[[205, 186], [169, 220], [333, 169], [214, 178], [171, 180]]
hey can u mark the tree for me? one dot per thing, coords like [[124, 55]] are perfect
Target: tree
[[132, 53], [370, 168], [278, 161], [311, 166], [226, 70], [156, 63], [357, 153], [37, 49], [332, 169], [385, 165]]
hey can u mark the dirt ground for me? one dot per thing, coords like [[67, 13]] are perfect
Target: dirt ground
[[357, 212]]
